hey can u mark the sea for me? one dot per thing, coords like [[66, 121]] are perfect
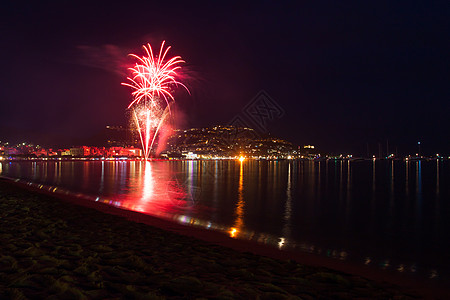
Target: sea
[[392, 215]]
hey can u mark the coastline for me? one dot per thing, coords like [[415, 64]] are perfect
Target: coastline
[[346, 278]]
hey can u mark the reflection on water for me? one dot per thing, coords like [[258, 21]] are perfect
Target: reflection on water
[[419, 180], [287, 210], [149, 183], [373, 212], [437, 178], [407, 178], [239, 211]]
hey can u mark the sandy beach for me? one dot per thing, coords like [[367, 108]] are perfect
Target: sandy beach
[[66, 248]]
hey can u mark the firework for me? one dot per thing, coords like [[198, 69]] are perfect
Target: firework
[[153, 78]]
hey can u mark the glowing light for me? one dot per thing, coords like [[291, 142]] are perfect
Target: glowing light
[[241, 158], [153, 78], [233, 232]]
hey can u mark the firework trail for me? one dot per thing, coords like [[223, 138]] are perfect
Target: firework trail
[[153, 78]]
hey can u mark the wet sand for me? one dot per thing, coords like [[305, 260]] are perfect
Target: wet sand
[[65, 248]]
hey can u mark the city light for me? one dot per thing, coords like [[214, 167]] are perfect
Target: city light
[[233, 231]]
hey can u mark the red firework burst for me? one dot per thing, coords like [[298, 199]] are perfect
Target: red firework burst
[[153, 78]]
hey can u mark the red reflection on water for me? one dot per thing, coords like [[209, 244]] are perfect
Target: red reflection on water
[[146, 186], [150, 188], [149, 182]]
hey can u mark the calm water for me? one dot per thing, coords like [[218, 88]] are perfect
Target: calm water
[[387, 214]]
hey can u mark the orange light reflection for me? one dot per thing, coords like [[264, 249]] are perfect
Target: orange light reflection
[[239, 211]]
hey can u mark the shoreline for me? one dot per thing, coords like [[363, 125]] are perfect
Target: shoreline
[[414, 286]]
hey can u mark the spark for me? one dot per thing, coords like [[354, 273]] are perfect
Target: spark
[[153, 76]]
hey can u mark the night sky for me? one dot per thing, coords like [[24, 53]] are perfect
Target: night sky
[[347, 75]]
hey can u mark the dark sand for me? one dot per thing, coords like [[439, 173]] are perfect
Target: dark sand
[[53, 248]]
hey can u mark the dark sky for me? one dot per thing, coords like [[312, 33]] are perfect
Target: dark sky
[[345, 74]]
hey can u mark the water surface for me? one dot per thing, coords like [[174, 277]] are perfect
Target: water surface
[[387, 214]]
